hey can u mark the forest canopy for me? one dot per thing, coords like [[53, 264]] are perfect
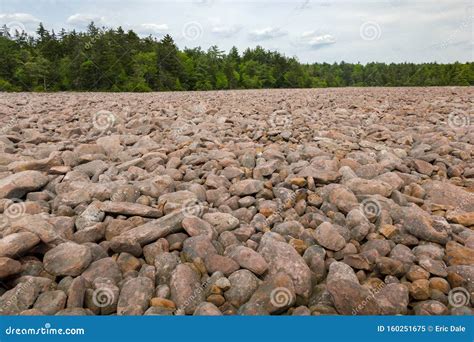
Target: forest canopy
[[105, 59]]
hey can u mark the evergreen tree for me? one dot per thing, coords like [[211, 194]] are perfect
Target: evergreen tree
[[114, 60]]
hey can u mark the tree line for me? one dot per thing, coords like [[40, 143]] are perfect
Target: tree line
[[106, 59]]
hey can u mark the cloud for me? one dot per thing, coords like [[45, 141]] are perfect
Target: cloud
[[226, 31], [316, 39], [151, 28], [83, 20], [267, 33], [24, 18]]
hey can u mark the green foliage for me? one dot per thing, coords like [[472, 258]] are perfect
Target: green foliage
[[6, 86], [103, 59]]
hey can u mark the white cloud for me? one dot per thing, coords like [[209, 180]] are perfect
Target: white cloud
[[316, 39], [267, 33], [226, 31], [81, 19], [24, 18], [413, 29], [151, 28]]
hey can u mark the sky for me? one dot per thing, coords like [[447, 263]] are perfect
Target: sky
[[312, 30]]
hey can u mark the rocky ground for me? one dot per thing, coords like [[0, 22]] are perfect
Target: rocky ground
[[293, 202]]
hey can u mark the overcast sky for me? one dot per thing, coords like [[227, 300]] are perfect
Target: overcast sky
[[312, 30]]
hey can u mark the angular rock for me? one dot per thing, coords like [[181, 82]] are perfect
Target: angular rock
[[327, 236], [16, 244], [281, 257], [135, 296], [129, 209], [103, 268], [221, 221], [457, 254], [186, 288], [275, 294], [51, 302], [9, 267], [67, 259], [246, 187], [207, 309], [18, 184], [247, 258], [243, 284], [216, 262], [195, 226]]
